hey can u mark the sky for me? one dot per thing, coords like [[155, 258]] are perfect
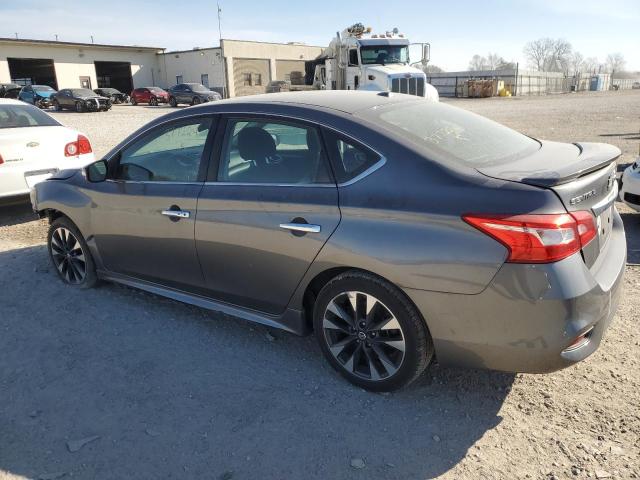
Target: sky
[[456, 29]]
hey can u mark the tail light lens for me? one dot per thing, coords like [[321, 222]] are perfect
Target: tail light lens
[[538, 238], [1, 160], [80, 147]]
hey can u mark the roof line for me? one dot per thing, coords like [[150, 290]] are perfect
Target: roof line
[[76, 44]]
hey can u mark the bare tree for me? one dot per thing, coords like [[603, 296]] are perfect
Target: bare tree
[[590, 65], [615, 63], [576, 62], [478, 63], [548, 55], [432, 69], [537, 52]]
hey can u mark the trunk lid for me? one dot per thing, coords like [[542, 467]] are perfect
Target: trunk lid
[[582, 175]]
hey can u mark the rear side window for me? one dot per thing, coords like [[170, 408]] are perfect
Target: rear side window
[[16, 116], [349, 158], [448, 133]]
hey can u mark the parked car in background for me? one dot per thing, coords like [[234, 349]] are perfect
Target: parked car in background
[[80, 100], [278, 86], [192, 94], [635, 85], [38, 95], [34, 146], [151, 95], [5, 87], [12, 92], [115, 95], [397, 229], [630, 185]]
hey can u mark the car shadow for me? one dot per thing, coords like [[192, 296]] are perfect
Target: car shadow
[[15, 211], [171, 390], [632, 231]]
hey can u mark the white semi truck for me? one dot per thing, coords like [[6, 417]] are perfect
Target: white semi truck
[[358, 59]]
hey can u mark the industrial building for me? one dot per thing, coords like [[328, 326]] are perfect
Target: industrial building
[[239, 67]]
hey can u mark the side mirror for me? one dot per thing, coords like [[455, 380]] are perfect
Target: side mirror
[[97, 171], [426, 53]]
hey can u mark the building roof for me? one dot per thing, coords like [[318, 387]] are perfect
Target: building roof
[[55, 43]]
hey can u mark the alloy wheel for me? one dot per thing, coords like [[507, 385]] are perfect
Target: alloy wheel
[[68, 256], [363, 335]]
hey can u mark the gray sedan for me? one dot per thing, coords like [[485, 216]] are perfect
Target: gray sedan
[[398, 230]]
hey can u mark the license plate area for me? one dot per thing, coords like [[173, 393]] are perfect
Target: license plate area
[[38, 176], [604, 223]]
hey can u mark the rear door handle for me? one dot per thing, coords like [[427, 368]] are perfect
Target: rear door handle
[[176, 213], [301, 227]]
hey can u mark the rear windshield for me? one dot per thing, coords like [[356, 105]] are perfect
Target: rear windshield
[[16, 116], [448, 133]]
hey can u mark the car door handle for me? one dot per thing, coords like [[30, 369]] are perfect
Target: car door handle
[[176, 213], [301, 227]]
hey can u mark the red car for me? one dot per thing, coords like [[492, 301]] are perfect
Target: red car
[[150, 95]]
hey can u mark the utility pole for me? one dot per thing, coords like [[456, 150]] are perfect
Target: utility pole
[[224, 73]]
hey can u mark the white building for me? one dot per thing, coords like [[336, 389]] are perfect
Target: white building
[[244, 67]]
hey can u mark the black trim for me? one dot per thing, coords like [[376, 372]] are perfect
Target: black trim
[[340, 174]]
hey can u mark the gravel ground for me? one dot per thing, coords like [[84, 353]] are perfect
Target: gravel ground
[[116, 383]]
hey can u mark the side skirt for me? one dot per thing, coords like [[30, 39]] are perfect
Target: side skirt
[[290, 321]]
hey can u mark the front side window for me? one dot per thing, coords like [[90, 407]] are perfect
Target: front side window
[[262, 151], [170, 153], [384, 54], [16, 116]]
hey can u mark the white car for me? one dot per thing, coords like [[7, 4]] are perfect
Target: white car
[[34, 146], [630, 185]]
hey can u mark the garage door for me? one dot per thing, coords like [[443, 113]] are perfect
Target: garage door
[[250, 76], [291, 71]]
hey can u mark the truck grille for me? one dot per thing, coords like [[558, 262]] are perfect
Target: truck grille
[[412, 86]]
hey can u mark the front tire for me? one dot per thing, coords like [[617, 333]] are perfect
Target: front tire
[[134, 102], [79, 107], [370, 332], [153, 102], [70, 254], [196, 101], [172, 102], [57, 106]]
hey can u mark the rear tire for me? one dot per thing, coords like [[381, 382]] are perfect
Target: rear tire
[[383, 343], [57, 106], [134, 102], [70, 254], [172, 102], [79, 107]]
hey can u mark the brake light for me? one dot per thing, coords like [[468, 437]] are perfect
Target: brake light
[[1, 160], [81, 146], [542, 238]]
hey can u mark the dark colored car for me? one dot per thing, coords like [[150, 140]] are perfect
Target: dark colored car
[[13, 92], [115, 95], [38, 95], [151, 95], [277, 86], [192, 94], [398, 229], [5, 87], [80, 100]]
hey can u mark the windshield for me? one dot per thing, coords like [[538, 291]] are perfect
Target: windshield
[[82, 92], [43, 88], [110, 90], [451, 134], [17, 116], [383, 54], [198, 88]]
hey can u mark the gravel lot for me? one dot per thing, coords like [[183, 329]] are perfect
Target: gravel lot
[[116, 383]]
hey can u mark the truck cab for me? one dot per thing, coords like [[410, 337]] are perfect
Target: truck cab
[[360, 60]]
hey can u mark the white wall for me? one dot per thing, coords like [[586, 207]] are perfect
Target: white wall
[[72, 62], [191, 65]]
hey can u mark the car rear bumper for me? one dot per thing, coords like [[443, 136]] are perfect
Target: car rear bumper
[[529, 315]]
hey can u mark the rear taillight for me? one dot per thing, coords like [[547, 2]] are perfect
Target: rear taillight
[[1, 160], [80, 147], [541, 238]]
